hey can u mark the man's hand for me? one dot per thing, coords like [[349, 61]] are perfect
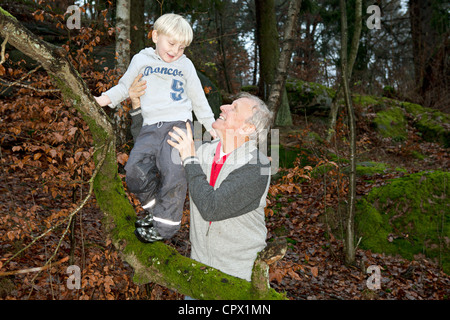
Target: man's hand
[[185, 141], [136, 90]]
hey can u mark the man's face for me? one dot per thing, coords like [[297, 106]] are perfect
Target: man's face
[[232, 118], [168, 49]]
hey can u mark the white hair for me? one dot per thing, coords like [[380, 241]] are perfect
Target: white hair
[[262, 116]]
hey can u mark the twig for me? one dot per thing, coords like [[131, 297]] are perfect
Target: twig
[[70, 216], [25, 76], [3, 48], [37, 269], [9, 84], [359, 240]]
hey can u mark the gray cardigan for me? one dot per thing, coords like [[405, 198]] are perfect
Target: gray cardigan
[[227, 226]]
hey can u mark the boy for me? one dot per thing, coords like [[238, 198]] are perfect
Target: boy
[[173, 91]]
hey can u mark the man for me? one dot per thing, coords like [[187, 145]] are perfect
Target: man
[[228, 181]]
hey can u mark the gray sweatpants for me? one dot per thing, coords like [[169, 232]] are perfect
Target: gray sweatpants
[[151, 147]]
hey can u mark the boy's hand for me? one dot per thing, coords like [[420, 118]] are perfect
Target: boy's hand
[[136, 90], [213, 133], [103, 100]]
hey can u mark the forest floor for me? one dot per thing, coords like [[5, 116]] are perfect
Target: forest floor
[[312, 269]]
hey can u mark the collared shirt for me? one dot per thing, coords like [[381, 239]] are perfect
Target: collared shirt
[[219, 160]]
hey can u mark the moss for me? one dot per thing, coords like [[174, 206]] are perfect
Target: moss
[[366, 100], [309, 96], [162, 264], [417, 155], [371, 227], [392, 123], [432, 124], [400, 169], [409, 216], [6, 13], [389, 91], [369, 168], [313, 137], [333, 157], [111, 198]]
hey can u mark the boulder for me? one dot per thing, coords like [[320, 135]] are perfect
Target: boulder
[[408, 216]]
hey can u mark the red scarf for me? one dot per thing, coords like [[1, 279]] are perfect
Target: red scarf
[[217, 165]]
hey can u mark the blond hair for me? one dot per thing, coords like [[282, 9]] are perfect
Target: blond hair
[[176, 27]]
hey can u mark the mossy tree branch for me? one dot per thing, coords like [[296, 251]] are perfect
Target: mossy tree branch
[[151, 262]]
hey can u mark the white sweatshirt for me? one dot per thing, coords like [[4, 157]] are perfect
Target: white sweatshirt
[[173, 90]]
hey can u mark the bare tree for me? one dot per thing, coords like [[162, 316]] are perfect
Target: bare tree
[[430, 44], [349, 70], [122, 35], [345, 78], [278, 87], [271, 57], [122, 60]]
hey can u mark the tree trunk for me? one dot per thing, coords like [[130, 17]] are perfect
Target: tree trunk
[[122, 62], [353, 53], [430, 44], [269, 57], [218, 7], [122, 35], [350, 234], [137, 26], [278, 89], [151, 262]]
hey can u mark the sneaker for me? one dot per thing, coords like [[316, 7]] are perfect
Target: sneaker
[[145, 222], [147, 235]]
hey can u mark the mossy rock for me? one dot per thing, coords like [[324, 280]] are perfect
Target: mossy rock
[[377, 103], [308, 97], [392, 117], [432, 124], [370, 168], [389, 92], [392, 123], [409, 216]]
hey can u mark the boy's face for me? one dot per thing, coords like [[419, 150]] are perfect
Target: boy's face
[[168, 49]]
